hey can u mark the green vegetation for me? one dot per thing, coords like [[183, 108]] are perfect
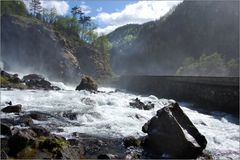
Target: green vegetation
[[51, 144], [77, 30], [67, 25], [27, 153], [209, 65], [189, 30], [16, 7], [7, 83]]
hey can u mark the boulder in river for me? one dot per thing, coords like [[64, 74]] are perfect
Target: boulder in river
[[87, 83], [172, 133], [35, 81], [12, 109], [35, 77], [140, 105]]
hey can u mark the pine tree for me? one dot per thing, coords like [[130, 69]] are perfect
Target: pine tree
[[35, 7]]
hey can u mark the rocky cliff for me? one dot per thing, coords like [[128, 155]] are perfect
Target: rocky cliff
[[28, 45]]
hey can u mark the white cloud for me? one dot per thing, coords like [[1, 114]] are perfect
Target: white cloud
[[137, 13], [99, 9], [60, 5], [106, 30], [86, 9]]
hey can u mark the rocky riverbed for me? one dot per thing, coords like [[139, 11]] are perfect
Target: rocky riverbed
[[110, 123]]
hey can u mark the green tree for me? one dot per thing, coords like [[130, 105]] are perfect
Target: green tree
[[13, 7], [103, 45], [49, 15], [35, 7], [66, 24], [233, 67], [206, 65]]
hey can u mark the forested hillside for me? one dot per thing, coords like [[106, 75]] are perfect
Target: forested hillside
[[60, 47], [195, 38]]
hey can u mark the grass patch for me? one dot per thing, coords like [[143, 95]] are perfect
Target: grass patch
[[51, 144], [5, 83]]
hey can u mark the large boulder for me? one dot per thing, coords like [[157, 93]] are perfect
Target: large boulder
[[172, 133], [87, 83], [33, 77], [20, 140], [12, 109], [35, 81]]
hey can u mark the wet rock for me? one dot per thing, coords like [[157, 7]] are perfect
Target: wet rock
[[70, 115], [70, 152], [87, 83], [20, 140], [25, 120], [5, 129], [171, 132], [38, 116], [35, 81], [40, 131], [140, 105], [12, 109], [131, 141], [33, 77]]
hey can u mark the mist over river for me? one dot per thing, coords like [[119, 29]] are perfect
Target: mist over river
[[108, 114]]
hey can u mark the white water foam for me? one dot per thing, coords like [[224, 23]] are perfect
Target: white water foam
[[109, 114]]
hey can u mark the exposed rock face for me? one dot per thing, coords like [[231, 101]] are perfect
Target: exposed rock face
[[87, 83], [171, 132], [12, 109], [27, 43]]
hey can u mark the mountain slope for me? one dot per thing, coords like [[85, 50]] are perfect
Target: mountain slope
[[192, 29], [28, 45]]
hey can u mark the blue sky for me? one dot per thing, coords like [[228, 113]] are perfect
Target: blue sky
[[110, 14]]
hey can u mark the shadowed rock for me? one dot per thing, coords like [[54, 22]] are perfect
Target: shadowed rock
[[12, 109], [171, 132], [20, 140], [5, 129], [87, 83], [140, 105]]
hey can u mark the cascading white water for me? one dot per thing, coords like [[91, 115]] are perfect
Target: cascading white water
[[109, 114]]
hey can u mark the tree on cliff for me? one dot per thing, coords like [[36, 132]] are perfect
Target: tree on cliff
[[35, 7], [13, 7]]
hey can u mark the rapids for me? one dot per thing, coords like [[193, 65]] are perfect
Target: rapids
[[108, 114]]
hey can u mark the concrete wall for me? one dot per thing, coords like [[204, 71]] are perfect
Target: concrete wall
[[210, 93]]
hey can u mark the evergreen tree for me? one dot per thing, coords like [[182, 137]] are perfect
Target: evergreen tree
[[35, 7]]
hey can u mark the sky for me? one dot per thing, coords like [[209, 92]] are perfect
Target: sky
[[111, 14]]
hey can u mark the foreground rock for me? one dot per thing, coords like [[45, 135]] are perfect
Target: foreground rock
[[12, 109], [140, 105], [31, 81], [172, 133], [87, 83]]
